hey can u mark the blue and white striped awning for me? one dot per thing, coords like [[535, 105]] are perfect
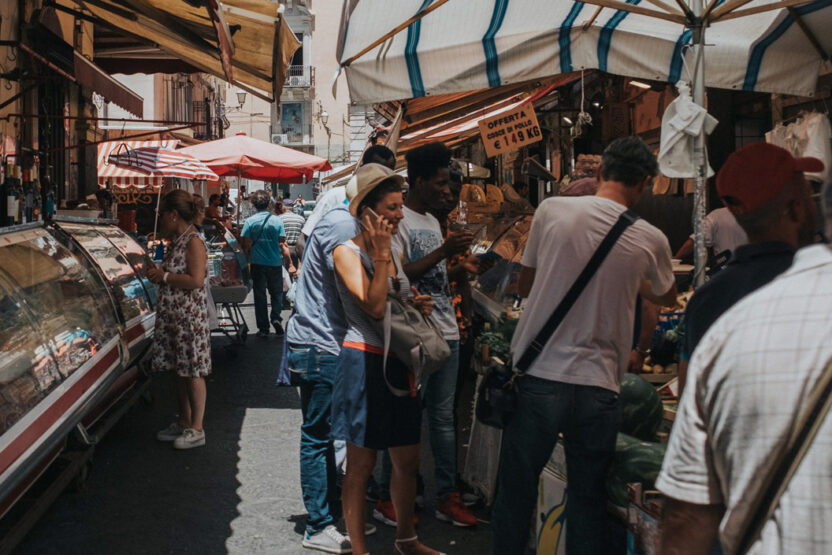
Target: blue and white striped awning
[[754, 45]]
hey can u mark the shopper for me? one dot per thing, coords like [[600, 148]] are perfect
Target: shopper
[[763, 186], [572, 387], [212, 212], [292, 224], [750, 377], [338, 196], [426, 252], [366, 414], [720, 232], [264, 240], [182, 339], [314, 335]]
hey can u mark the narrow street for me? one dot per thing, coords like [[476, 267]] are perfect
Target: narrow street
[[239, 494]]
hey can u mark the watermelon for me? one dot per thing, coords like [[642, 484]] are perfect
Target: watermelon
[[641, 408], [635, 461]]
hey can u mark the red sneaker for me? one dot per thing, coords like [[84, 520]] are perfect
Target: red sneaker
[[385, 512], [453, 510]]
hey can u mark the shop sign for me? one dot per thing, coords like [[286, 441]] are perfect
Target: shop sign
[[134, 195], [510, 130]]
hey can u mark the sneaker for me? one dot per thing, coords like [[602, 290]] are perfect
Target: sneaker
[[189, 439], [470, 499], [453, 510], [328, 540], [278, 329], [369, 528], [385, 513], [262, 333], [171, 432]]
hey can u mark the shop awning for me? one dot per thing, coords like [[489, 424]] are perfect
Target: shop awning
[[753, 45], [158, 161], [244, 42], [95, 78], [122, 176]]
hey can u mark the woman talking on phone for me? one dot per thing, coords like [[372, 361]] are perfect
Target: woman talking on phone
[[365, 413], [182, 341]]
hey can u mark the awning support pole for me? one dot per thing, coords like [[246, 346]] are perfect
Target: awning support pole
[[700, 192]]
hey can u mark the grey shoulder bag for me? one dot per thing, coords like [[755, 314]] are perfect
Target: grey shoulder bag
[[412, 337]]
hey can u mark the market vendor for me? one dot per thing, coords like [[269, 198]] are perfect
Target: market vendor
[[764, 188]]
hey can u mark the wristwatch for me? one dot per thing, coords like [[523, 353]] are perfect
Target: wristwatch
[[641, 351]]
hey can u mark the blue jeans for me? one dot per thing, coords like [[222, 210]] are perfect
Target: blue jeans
[[589, 418], [316, 374], [267, 278], [438, 392]]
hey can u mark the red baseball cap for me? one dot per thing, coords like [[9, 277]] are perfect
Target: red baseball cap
[[754, 174]]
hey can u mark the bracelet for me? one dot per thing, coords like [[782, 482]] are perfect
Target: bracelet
[[641, 351], [165, 277], [382, 259]]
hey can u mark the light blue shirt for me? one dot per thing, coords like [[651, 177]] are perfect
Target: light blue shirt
[[265, 233], [319, 315]]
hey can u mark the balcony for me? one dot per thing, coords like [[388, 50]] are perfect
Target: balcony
[[300, 77]]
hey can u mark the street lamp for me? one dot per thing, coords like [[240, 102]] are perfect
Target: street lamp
[[324, 116], [241, 98]]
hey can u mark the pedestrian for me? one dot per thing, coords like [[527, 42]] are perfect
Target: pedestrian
[[750, 377], [426, 252], [338, 196], [264, 240], [293, 224], [182, 339], [572, 386], [720, 232], [365, 412], [757, 187], [212, 213], [314, 335]]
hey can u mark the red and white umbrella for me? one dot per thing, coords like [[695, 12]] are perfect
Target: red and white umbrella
[[158, 161]]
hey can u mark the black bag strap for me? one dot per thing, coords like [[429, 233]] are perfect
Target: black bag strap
[[262, 229], [534, 349], [788, 459]]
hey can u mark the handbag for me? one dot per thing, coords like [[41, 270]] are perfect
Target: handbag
[[497, 394], [413, 337], [787, 461]]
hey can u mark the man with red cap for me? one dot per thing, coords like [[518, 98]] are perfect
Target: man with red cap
[[764, 188], [752, 375]]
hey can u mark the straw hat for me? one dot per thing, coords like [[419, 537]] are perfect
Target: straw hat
[[368, 177]]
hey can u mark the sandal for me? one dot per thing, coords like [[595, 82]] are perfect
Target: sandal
[[399, 551]]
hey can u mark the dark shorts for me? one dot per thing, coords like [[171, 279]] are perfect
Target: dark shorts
[[364, 411]]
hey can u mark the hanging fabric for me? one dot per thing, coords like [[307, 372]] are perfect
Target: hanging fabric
[[682, 123]]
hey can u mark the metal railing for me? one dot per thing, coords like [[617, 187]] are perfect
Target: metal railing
[[300, 76]]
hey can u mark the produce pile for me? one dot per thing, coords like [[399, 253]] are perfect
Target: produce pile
[[497, 339]]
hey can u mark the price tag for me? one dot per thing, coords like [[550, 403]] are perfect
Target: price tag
[[510, 130]]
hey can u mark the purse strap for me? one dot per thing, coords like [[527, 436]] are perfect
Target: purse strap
[[534, 349], [415, 361], [788, 460]]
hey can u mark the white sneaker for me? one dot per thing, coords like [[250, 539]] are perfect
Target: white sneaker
[[328, 540], [189, 439], [173, 431]]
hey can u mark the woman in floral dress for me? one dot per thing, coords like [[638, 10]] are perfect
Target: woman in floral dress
[[182, 341]]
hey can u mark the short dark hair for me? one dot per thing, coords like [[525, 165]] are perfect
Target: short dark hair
[[212, 198], [379, 191], [260, 200], [457, 177], [377, 154], [628, 160], [426, 161]]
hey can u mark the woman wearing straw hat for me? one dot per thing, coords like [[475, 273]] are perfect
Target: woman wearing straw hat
[[365, 412]]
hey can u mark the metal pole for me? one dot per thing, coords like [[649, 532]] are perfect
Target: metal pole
[[700, 192]]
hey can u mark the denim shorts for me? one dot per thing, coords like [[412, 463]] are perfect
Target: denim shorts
[[364, 410]]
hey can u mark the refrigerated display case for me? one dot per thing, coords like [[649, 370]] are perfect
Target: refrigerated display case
[[495, 291], [74, 317]]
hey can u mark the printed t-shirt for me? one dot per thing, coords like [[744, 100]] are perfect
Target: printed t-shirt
[[419, 235], [592, 344], [265, 249]]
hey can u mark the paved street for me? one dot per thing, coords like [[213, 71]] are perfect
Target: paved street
[[239, 494]]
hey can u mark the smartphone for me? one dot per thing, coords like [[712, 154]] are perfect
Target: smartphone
[[369, 212]]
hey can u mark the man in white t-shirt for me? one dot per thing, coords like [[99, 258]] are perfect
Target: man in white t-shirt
[[426, 253], [572, 387], [720, 232]]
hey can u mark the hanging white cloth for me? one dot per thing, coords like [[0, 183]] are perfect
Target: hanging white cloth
[[809, 135], [682, 123]]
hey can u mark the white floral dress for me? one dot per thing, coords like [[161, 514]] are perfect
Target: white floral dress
[[182, 340]]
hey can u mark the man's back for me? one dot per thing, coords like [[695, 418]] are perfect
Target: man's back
[[293, 224], [748, 380], [264, 229], [592, 345]]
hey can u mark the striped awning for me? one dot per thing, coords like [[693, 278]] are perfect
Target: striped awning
[[753, 45], [158, 161], [124, 176]]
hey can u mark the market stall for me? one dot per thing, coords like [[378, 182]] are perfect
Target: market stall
[[77, 319]]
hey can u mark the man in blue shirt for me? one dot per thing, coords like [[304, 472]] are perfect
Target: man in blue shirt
[[264, 240], [314, 335]]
